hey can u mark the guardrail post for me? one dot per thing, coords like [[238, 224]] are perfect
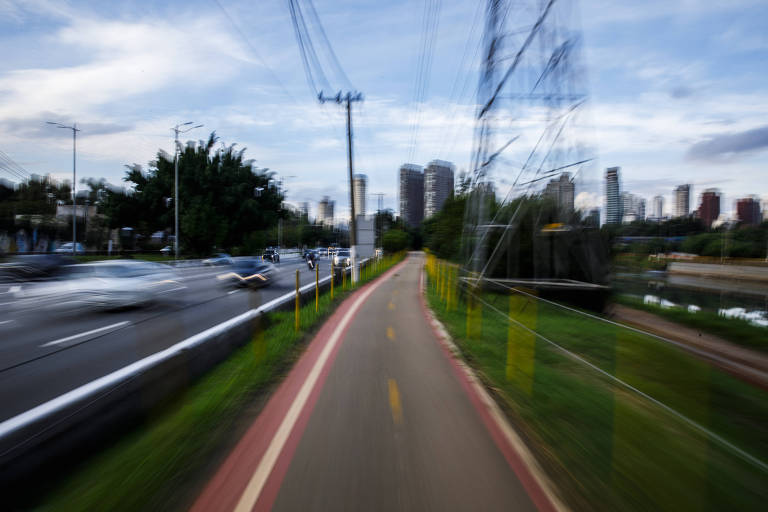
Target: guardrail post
[[297, 300], [317, 288]]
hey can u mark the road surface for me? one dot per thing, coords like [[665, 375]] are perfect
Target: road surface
[[374, 416], [43, 356]]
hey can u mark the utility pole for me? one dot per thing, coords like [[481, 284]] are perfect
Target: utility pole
[[177, 130], [74, 129], [379, 223], [348, 99]]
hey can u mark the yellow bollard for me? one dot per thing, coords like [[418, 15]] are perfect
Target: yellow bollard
[[317, 287], [521, 343], [332, 279], [297, 300], [343, 279]]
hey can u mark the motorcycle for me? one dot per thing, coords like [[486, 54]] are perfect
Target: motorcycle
[[311, 263]]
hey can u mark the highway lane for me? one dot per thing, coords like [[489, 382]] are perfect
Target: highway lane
[[43, 355]]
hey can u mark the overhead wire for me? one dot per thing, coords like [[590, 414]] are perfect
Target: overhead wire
[[430, 23]]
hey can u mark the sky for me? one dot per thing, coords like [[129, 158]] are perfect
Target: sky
[[677, 90]]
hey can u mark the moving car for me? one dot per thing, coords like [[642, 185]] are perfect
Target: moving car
[[342, 258], [67, 248], [106, 285], [271, 254], [28, 267], [221, 258], [248, 272]]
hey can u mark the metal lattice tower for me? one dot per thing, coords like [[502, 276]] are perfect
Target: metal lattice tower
[[528, 127]]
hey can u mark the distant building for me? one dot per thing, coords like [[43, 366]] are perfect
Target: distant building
[[593, 218], [438, 186], [658, 208], [682, 201], [561, 191], [359, 186], [304, 209], [325, 211], [748, 211], [633, 207], [411, 194], [709, 209], [613, 205]]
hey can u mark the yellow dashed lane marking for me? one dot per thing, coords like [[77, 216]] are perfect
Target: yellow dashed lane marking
[[394, 402], [390, 333], [391, 305]]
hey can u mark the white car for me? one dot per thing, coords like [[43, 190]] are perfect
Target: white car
[[67, 248], [342, 258], [107, 285]]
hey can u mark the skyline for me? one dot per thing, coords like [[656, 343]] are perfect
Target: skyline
[[687, 105]]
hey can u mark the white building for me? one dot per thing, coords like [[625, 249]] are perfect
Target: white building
[[359, 186], [438, 186]]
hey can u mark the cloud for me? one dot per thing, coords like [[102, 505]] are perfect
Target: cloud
[[728, 146], [35, 126], [681, 92]]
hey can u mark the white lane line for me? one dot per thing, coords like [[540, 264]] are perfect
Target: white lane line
[[6, 322], [87, 333], [256, 483], [232, 291]]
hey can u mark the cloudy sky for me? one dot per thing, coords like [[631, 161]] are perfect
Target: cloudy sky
[[678, 89]]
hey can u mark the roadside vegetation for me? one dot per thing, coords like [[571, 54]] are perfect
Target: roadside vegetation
[[156, 465], [605, 445]]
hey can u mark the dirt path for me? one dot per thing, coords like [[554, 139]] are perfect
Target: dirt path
[[747, 364]]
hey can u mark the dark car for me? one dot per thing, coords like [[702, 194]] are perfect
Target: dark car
[[34, 267], [248, 272], [271, 254]]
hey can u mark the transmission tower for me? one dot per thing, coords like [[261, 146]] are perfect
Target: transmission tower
[[529, 126]]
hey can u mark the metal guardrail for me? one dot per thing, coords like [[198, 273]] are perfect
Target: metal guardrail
[[43, 424]]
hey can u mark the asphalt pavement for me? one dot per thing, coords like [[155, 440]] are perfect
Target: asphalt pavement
[[43, 355], [374, 416]]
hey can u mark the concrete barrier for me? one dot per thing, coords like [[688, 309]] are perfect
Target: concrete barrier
[[740, 272]]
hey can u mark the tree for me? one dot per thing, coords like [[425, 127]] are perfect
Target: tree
[[223, 200], [394, 240]]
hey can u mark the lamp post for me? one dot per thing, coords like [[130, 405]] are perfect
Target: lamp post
[[177, 130], [74, 129]]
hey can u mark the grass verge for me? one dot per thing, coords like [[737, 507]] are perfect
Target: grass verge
[[150, 468], [735, 330], [605, 445]]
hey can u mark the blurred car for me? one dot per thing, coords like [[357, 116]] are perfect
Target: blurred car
[[166, 251], [248, 272], [67, 248], [107, 285], [271, 254], [342, 258], [221, 258], [30, 267]]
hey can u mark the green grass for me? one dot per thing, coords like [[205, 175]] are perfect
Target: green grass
[[149, 468], [735, 330], [604, 446]]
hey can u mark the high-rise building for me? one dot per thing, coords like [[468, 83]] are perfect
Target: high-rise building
[[304, 209], [709, 209], [682, 200], [561, 191], [593, 218], [438, 186], [359, 185], [613, 205], [658, 207], [411, 194], [632, 207], [748, 210], [325, 211]]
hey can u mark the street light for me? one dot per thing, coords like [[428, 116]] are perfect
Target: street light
[[74, 129], [177, 130]]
